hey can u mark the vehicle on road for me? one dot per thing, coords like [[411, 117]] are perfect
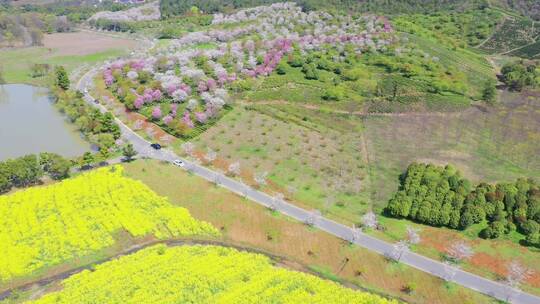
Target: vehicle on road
[[178, 163], [156, 146], [96, 101]]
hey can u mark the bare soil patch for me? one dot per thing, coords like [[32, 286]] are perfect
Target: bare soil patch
[[84, 43]]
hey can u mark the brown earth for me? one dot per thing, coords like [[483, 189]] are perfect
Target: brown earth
[[84, 43]]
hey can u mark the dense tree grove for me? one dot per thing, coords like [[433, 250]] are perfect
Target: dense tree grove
[[100, 129], [28, 170], [518, 75], [441, 197]]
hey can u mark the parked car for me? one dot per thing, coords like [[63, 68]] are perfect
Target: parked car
[[178, 163], [156, 146]]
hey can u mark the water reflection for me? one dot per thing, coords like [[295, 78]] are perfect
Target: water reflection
[[29, 123]]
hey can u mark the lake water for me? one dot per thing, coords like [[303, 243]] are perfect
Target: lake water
[[29, 123]]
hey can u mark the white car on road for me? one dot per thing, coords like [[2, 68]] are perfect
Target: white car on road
[[178, 163]]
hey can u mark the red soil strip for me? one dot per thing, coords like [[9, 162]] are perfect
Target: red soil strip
[[158, 134]]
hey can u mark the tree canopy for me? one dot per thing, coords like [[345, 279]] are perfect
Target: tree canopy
[[439, 196]]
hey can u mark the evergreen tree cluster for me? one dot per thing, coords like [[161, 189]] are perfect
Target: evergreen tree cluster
[[439, 196]]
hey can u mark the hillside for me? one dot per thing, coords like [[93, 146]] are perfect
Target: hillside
[[265, 151]]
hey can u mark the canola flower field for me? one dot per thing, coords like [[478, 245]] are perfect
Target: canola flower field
[[200, 274], [46, 226]]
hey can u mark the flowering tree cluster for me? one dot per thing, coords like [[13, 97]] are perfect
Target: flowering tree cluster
[[195, 80], [145, 12]]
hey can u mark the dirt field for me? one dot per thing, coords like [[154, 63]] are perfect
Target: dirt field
[[32, 2], [84, 43]]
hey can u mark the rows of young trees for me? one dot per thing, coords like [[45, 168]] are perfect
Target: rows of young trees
[[28, 170], [439, 196]]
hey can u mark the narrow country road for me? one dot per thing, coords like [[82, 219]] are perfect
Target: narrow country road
[[436, 268]]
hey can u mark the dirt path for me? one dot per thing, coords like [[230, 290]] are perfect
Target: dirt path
[[497, 28]]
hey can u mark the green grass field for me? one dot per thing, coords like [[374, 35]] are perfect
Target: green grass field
[[16, 63]]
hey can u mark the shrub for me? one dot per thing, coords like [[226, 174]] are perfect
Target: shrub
[[310, 72], [334, 93]]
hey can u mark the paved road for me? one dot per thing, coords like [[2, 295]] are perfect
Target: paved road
[[436, 268]]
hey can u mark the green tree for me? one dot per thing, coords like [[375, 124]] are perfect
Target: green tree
[[334, 93], [62, 79], [55, 165], [86, 160], [281, 69], [129, 152], [533, 238], [310, 71], [489, 92], [2, 80], [530, 227], [518, 75], [5, 185], [295, 59]]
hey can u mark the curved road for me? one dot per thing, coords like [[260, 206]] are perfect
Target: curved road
[[436, 268]]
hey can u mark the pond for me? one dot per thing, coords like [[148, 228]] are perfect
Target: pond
[[29, 123]]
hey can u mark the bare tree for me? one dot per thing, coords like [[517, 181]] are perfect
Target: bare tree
[[369, 220], [245, 190], [210, 156], [313, 217], [399, 249], [516, 274], [260, 178], [217, 178], [234, 169], [278, 198], [412, 235], [166, 139], [188, 148], [150, 132], [459, 251], [355, 234], [138, 124], [450, 271], [291, 190]]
